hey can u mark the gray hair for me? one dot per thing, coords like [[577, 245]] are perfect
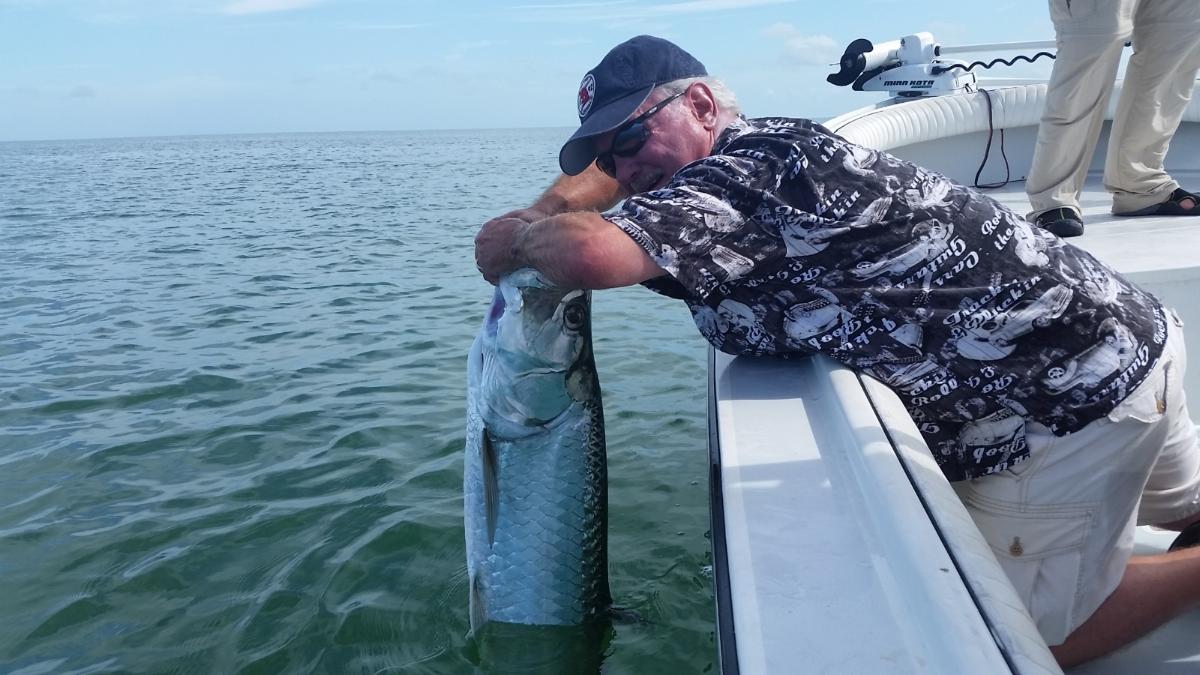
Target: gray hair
[[725, 99]]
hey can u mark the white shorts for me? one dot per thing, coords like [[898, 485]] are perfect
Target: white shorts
[[1062, 522]]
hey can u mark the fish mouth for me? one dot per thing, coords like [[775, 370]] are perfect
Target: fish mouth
[[492, 323]]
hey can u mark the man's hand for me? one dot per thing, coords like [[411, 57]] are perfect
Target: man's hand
[[572, 250], [528, 214], [497, 246], [495, 242]]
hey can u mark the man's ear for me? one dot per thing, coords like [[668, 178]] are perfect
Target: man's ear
[[703, 104]]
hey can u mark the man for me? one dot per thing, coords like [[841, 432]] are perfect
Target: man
[[1159, 80], [1043, 382]]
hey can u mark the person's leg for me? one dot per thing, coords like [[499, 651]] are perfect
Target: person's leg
[[1062, 523], [1158, 85], [1154, 588], [1081, 83]]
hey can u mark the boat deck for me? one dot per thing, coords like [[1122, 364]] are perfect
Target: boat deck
[[1161, 253], [1135, 246]]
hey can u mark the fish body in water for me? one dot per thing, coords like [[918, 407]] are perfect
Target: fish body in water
[[510, 648], [535, 479]]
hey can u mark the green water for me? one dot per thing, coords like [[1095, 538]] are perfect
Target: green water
[[232, 377]]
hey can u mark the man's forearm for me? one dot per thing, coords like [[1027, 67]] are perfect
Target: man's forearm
[[583, 250], [591, 190]]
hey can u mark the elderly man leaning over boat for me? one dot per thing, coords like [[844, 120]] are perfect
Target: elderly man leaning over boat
[[1040, 378]]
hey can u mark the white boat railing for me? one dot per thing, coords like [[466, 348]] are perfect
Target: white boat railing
[[827, 555], [996, 47]]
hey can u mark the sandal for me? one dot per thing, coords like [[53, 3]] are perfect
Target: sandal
[[1063, 222], [1172, 207]]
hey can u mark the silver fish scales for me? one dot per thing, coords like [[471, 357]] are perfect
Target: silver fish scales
[[535, 479]]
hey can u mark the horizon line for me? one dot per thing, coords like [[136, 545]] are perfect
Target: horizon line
[[270, 133], [207, 134]]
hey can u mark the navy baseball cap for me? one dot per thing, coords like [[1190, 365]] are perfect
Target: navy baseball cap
[[611, 91]]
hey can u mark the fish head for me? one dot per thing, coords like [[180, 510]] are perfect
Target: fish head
[[538, 337]]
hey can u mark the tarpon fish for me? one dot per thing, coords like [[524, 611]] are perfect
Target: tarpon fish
[[535, 479]]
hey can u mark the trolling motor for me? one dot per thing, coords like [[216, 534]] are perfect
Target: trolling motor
[[910, 66], [914, 65]]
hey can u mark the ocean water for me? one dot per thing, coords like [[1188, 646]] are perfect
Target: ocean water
[[232, 376]]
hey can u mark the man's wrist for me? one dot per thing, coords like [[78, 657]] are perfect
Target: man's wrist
[[518, 251], [548, 205]]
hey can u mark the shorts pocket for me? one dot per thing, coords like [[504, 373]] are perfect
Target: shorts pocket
[[1042, 554], [1030, 535]]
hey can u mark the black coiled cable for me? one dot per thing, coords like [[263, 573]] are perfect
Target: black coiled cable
[[988, 149], [938, 70]]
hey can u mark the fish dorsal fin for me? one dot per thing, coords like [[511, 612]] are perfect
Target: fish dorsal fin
[[491, 488]]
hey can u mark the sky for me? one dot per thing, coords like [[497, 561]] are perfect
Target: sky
[[121, 68]]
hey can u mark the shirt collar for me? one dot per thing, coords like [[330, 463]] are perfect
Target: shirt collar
[[736, 128]]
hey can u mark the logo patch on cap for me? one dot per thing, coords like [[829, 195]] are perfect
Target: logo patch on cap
[[587, 92]]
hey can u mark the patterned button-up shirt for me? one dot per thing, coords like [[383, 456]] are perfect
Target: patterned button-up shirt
[[790, 239]]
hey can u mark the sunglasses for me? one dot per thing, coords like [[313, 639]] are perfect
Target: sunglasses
[[630, 137]]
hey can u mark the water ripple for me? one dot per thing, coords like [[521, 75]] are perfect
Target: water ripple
[[232, 399]]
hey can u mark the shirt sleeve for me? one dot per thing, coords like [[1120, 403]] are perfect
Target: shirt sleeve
[[700, 228]]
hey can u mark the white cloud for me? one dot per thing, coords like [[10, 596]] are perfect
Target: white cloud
[[692, 6], [781, 30], [621, 10], [802, 49], [82, 91], [263, 6], [949, 34]]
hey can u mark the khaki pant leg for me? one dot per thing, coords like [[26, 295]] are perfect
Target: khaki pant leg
[[1090, 35], [1159, 81]]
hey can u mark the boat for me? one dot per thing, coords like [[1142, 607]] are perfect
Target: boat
[[838, 544]]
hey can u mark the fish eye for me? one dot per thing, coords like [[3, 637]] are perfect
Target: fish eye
[[574, 316]]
